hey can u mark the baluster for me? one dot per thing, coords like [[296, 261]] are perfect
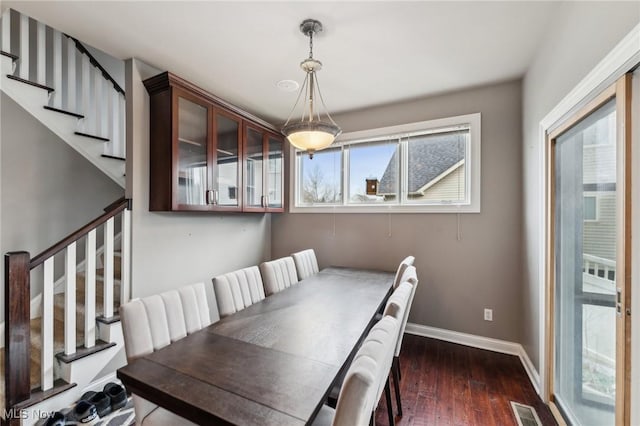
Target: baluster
[[57, 69], [99, 102], [105, 108], [24, 46], [112, 114], [71, 75], [108, 268], [122, 144], [108, 118], [86, 92], [125, 242], [41, 63], [90, 291], [587, 266], [606, 272], [70, 301], [95, 100], [46, 354], [6, 31]]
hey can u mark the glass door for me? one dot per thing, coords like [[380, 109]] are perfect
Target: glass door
[[274, 179], [254, 174], [192, 153], [226, 189], [588, 264]]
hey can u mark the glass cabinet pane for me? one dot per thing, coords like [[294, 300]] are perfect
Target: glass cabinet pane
[[227, 173], [192, 153], [253, 170], [274, 173]]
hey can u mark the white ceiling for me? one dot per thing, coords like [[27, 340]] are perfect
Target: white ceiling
[[373, 52]]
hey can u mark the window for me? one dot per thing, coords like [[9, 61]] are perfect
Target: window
[[590, 208], [431, 166]]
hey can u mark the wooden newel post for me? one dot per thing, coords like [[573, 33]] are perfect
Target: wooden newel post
[[17, 339]]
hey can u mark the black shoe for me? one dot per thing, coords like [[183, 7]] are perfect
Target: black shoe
[[84, 412], [116, 394], [100, 400], [56, 419]]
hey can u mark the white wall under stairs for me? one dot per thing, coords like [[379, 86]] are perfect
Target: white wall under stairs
[[33, 99]]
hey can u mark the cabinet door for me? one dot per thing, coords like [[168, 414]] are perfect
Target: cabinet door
[[254, 172], [227, 171], [191, 153], [275, 175]]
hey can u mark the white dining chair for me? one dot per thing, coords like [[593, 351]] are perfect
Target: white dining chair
[[238, 289], [366, 377], [278, 274], [154, 322], [306, 263], [406, 262], [398, 307]]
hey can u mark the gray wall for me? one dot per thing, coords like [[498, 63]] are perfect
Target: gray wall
[[48, 189], [458, 279], [174, 249], [581, 35]]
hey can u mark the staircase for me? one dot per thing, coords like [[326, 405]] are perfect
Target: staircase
[[57, 80], [78, 332]]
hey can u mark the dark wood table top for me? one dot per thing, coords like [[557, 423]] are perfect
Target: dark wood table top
[[272, 363]]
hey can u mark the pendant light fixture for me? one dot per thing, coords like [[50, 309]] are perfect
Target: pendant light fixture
[[311, 133]]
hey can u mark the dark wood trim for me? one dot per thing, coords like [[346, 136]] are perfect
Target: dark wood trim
[[30, 83], [9, 55], [38, 395], [17, 339], [96, 64], [100, 138], [82, 352], [113, 157], [115, 204], [74, 236], [162, 82], [110, 320], [62, 111]]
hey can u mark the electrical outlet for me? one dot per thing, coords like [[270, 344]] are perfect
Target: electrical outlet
[[488, 314]]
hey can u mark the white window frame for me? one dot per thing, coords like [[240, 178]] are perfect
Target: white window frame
[[472, 169]]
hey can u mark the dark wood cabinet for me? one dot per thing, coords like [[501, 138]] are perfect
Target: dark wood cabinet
[[263, 178], [207, 155]]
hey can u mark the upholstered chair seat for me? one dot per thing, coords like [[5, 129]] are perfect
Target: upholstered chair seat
[[237, 290], [365, 378], [306, 263], [278, 274], [151, 323]]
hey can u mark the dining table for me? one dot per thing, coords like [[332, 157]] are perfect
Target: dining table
[[272, 363]]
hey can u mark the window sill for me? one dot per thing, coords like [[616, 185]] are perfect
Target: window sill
[[387, 209]]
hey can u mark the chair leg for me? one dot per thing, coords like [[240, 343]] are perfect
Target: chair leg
[[387, 393], [396, 385], [396, 363]]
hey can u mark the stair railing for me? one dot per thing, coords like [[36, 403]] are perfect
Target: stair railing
[[18, 267], [77, 82]]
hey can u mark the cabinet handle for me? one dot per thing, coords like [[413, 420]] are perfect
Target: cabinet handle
[[216, 197], [262, 201], [209, 193]]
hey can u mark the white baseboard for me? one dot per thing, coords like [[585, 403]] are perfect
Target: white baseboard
[[480, 342]]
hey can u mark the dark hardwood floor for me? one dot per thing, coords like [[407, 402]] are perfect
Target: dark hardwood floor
[[448, 384]]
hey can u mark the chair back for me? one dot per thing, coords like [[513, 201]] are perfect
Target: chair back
[[367, 375], [306, 263], [278, 274], [406, 262], [153, 322], [238, 289], [409, 283]]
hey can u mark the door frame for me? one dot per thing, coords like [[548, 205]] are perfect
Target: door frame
[[621, 59], [621, 91]]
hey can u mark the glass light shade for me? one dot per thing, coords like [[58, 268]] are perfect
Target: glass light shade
[[311, 135]]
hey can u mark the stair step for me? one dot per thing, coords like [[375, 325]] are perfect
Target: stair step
[[63, 111], [37, 395], [82, 352], [100, 138], [104, 320], [9, 55], [113, 157], [30, 83]]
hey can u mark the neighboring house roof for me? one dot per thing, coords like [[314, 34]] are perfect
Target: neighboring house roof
[[429, 157]]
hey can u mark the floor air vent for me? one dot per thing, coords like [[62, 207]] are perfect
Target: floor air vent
[[525, 414]]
